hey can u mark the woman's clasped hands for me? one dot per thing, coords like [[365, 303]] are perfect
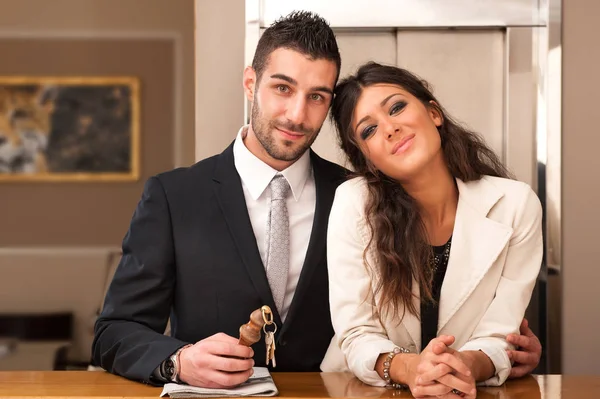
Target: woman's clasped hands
[[440, 371]]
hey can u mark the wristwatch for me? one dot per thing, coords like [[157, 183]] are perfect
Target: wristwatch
[[171, 367]]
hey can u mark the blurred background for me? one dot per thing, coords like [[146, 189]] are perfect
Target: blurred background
[[157, 83]]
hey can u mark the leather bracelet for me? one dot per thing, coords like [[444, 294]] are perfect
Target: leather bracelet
[[387, 364]]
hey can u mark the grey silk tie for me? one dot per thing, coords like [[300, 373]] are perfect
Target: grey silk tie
[[278, 240]]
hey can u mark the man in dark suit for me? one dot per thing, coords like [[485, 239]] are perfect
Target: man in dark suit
[[197, 246], [209, 244]]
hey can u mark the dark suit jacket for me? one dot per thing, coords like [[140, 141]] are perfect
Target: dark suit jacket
[[190, 254]]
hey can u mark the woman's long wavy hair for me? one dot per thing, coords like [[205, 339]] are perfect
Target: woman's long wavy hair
[[398, 236]]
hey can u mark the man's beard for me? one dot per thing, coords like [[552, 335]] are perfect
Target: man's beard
[[263, 130]]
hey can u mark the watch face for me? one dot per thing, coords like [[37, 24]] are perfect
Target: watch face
[[169, 369]]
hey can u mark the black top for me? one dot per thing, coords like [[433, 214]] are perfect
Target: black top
[[430, 310]]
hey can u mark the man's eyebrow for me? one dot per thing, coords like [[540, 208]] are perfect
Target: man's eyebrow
[[324, 89], [294, 82], [285, 77]]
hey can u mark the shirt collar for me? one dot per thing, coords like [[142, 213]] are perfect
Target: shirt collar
[[257, 175]]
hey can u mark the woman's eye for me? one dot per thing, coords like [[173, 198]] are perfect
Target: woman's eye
[[367, 132], [397, 108]]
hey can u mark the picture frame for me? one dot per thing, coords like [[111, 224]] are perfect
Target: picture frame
[[69, 128]]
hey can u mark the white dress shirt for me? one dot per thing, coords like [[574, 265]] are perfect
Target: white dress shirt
[[256, 177]]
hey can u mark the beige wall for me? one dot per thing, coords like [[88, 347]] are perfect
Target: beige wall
[[581, 187], [114, 17], [151, 39], [90, 213], [219, 66]]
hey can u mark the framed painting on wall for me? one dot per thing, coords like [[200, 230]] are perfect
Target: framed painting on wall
[[69, 128]]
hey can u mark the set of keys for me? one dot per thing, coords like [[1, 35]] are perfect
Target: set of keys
[[269, 335], [250, 332]]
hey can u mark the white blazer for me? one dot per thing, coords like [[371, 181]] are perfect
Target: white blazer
[[495, 258]]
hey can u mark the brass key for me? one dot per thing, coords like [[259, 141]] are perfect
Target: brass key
[[270, 344]]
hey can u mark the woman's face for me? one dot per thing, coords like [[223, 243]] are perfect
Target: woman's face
[[395, 131]]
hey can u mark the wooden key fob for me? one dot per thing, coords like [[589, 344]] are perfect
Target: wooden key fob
[[250, 332]]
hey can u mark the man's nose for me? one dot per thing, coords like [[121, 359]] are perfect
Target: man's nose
[[296, 111]]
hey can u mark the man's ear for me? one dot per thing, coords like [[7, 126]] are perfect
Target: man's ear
[[435, 113], [249, 81]]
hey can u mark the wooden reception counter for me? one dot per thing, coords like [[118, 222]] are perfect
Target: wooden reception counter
[[97, 384]]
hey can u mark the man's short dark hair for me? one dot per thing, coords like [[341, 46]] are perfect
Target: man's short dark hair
[[301, 31]]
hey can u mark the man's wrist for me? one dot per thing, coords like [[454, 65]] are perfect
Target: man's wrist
[[170, 368], [481, 366], [176, 358]]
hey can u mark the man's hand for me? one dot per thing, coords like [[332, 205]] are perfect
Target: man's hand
[[216, 362], [528, 351]]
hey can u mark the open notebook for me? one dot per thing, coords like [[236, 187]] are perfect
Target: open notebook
[[260, 384]]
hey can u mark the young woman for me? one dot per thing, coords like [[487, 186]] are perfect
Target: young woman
[[433, 250]]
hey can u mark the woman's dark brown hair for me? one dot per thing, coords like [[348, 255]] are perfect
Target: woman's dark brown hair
[[398, 235]]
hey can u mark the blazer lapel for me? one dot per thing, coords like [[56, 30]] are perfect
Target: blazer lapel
[[325, 184], [476, 243], [230, 195]]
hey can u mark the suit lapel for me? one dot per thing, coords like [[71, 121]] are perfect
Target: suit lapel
[[477, 241], [230, 196], [325, 184]]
